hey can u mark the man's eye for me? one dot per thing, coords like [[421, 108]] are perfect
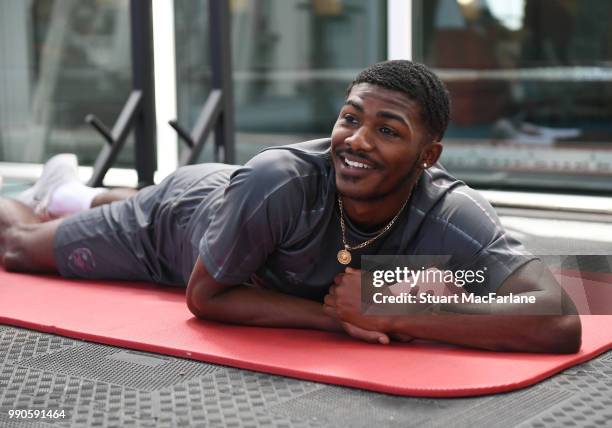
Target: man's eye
[[388, 131], [350, 119]]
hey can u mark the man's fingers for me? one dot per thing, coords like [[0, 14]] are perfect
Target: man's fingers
[[338, 278], [330, 300], [383, 339], [365, 335]]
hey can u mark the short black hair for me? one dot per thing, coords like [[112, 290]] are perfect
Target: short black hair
[[419, 83]]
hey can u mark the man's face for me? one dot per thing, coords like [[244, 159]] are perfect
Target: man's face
[[378, 143]]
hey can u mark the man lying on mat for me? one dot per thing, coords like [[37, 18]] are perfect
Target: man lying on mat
[[277, 242]]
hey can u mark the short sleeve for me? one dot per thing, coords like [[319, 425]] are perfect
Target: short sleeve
[[255, 215], [474, 237]]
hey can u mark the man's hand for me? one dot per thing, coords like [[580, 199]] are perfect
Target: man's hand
[[344, 301], [345, 293]]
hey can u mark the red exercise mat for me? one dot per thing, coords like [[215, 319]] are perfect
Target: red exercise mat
[[151, 318]]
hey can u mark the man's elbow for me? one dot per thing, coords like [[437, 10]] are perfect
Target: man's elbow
[[195, 308], [565, 334], [203, 292], [199, 304]]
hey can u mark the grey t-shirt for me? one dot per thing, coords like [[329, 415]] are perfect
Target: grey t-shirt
[[277, 223]]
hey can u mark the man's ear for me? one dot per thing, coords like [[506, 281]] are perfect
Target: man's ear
[[431, 153]]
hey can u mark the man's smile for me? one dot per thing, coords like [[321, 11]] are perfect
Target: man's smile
[[353, 165]]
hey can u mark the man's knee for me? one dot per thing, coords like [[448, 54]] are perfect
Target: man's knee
[[23, 252], [15, 250]]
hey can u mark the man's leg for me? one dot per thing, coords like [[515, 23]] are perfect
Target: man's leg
[[74, 197], [26, 244], [112, 195], [59, 193], [92, 244]]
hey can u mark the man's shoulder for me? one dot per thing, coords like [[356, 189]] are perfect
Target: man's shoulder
[[319, 146], [435, 187], [294, 160], [288, 172], [446, 200], [318, 149], [439, 194]]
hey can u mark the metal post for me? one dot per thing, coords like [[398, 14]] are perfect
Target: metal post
[[218, 111], [115, 138], [221, 62], [143, 81]]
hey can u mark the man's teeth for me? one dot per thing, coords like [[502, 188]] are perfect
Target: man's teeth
[[356, 164]]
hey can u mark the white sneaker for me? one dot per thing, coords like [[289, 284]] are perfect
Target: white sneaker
[[58, 170]]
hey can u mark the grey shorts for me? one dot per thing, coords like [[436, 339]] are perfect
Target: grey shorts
[[152, 236], [102, 243]]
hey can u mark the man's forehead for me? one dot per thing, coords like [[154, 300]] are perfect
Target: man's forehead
[[364, 92]]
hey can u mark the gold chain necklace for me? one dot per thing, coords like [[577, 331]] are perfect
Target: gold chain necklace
[[344, 255]]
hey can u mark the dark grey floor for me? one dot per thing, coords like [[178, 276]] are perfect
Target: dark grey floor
[[99, 385]]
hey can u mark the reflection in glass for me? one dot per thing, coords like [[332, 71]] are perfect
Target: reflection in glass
[[292, 60], [60, 60], [530, 82]]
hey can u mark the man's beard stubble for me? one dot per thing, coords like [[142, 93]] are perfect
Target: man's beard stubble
[[410, 179]]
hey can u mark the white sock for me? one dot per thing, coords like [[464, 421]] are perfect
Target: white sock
[[72, 197]]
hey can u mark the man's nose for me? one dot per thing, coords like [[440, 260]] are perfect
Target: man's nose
[[361, 140]]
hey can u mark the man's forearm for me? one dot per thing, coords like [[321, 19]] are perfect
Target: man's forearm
[[538, 327], [543, 319], [531, 333], [248, 305]]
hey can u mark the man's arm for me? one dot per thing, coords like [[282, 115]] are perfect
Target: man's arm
[[498, 327], [241, 304]]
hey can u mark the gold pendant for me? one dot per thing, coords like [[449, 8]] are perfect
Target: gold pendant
[[344, 257]]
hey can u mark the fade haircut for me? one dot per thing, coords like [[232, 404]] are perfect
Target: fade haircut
[[419, 83]]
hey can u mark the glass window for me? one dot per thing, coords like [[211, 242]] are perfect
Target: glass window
[[531, 85], [292, 61], [59, 61]]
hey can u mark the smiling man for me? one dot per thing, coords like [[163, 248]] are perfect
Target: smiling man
[[278, 242]]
